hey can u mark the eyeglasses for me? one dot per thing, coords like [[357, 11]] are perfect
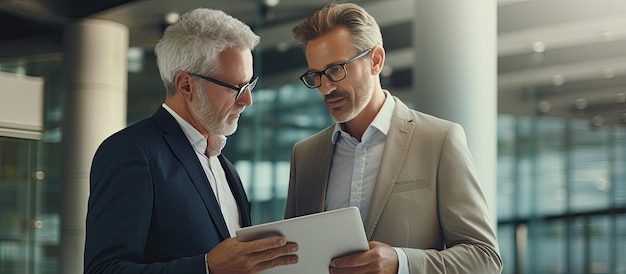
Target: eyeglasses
[[334, 73], [249, 86]]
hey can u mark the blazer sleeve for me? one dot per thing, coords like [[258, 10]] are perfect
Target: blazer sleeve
[[119, 213], [471, 245]]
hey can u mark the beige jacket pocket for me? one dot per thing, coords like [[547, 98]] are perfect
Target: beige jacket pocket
[[409, 185]]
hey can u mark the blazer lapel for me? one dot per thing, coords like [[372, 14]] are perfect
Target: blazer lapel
[[395, 152], [180, 146], [319, 160], [238, 191]]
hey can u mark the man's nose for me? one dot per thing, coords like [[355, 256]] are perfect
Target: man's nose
[[326, 86]]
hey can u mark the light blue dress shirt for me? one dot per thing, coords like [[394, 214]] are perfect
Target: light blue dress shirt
[[355, 167]]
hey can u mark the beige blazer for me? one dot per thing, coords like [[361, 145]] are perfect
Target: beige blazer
[[427, 198]]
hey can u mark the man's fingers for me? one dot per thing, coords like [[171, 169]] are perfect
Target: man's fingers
[[281, 251], [269, 251], [233, 256], [275, 255], [350, 270], [265, 244], [282, 260], [354, 260]]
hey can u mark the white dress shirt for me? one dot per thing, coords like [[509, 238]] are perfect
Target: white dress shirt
[[355, 166], [214, 172]]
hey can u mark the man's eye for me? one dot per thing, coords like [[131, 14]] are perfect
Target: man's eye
[[335, 70]]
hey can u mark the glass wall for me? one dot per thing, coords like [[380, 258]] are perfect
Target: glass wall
[[29, 172], [561, 186], [26, 245], [262, 145]]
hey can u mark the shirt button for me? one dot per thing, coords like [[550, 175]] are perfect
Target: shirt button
[[359, 152], [355, 187]]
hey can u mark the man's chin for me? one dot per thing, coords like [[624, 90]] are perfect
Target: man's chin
[[225, 129], [230, 130], [341, 117]]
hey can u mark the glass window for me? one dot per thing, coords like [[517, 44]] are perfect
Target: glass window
[[576, 244], [525, 171], [506, 243], [19, 183], [599, 249], [261, 147], [618, 166], [552, 248], [548, 169], [550, 166], [589, 161], [620, 244], [507, 160]]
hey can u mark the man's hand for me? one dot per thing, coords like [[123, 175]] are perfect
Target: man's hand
[[232, 256], [381, 258]]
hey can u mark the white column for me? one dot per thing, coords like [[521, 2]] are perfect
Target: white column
[[455, 75], [95, 72]]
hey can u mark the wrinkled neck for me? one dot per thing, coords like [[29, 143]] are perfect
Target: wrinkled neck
[[215, 144]]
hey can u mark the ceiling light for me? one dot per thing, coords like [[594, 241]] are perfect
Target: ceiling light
[[544, 106], [558, 80], [608, 73], [597, 120], [271, 3], [171, 18], [581, 103], [539, 47]]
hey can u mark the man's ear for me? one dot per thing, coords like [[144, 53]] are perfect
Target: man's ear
[[183, 83], [378, 59]]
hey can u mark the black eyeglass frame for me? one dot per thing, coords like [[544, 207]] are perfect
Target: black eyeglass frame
[[239, 90], [323, 72]]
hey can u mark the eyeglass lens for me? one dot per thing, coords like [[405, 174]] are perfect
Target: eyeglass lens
[[335, 73], [249, 86]]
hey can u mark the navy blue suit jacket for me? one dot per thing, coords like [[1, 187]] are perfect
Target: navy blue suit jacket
[[151, 207]]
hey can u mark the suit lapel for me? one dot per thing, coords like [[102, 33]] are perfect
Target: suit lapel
[[234, 182], [396, 148], [319, 161], [180, 145]]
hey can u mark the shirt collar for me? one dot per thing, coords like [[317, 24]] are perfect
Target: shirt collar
[[198, 142], [382, 121]]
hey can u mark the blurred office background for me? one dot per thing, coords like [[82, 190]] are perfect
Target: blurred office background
[[560, 190]]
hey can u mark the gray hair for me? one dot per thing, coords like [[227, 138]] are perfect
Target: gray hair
[[195, 41], [361, 25]]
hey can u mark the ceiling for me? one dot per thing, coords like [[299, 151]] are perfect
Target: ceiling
[[563, 58]]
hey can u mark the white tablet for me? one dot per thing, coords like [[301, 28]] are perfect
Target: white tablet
[[320, 238]]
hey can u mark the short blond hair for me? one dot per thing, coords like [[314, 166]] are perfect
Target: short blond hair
[[361, 25]]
